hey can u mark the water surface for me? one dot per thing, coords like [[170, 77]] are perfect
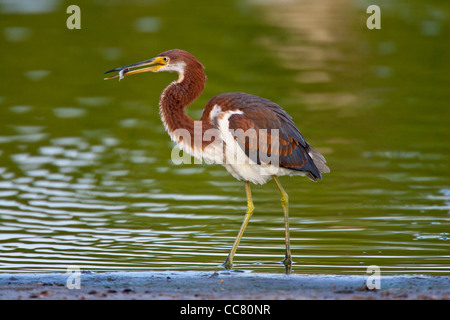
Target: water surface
[[86, 177]]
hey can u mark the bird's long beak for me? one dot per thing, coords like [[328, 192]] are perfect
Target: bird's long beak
[[152, 65]]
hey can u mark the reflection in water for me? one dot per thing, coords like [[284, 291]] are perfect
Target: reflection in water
[[85, 172], [28, 6], [37, 75], [316, 49], [16, 34], [147, 24]]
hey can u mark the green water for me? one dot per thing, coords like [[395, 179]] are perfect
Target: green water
[[86, 176]]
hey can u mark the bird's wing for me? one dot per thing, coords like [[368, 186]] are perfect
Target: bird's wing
[[256, 127]]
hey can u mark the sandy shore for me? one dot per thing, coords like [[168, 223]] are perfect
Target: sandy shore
[[216, 286]]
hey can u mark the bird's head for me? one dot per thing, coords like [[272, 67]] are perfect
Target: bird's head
[[170, 61]]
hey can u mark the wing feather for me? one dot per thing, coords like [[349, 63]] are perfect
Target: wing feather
[[261, 120]]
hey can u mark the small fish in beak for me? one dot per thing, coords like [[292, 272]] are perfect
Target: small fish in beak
[[122, 73]]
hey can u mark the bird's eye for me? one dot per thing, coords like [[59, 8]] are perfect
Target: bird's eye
[[166, 59]]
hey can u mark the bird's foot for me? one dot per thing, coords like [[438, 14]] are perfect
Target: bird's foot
[[228, 265], [288, 264]]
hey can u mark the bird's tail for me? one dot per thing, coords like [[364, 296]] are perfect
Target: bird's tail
[[318, 159]]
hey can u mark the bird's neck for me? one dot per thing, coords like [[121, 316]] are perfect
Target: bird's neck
[[176, 97]]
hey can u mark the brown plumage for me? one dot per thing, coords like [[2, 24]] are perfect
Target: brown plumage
[[232, 125], [260, 113]]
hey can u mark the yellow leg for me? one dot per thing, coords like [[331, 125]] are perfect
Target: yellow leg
[[285, 204], [229, 261]]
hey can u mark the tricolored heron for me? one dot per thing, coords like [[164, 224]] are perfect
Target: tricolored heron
[[224, 116]]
